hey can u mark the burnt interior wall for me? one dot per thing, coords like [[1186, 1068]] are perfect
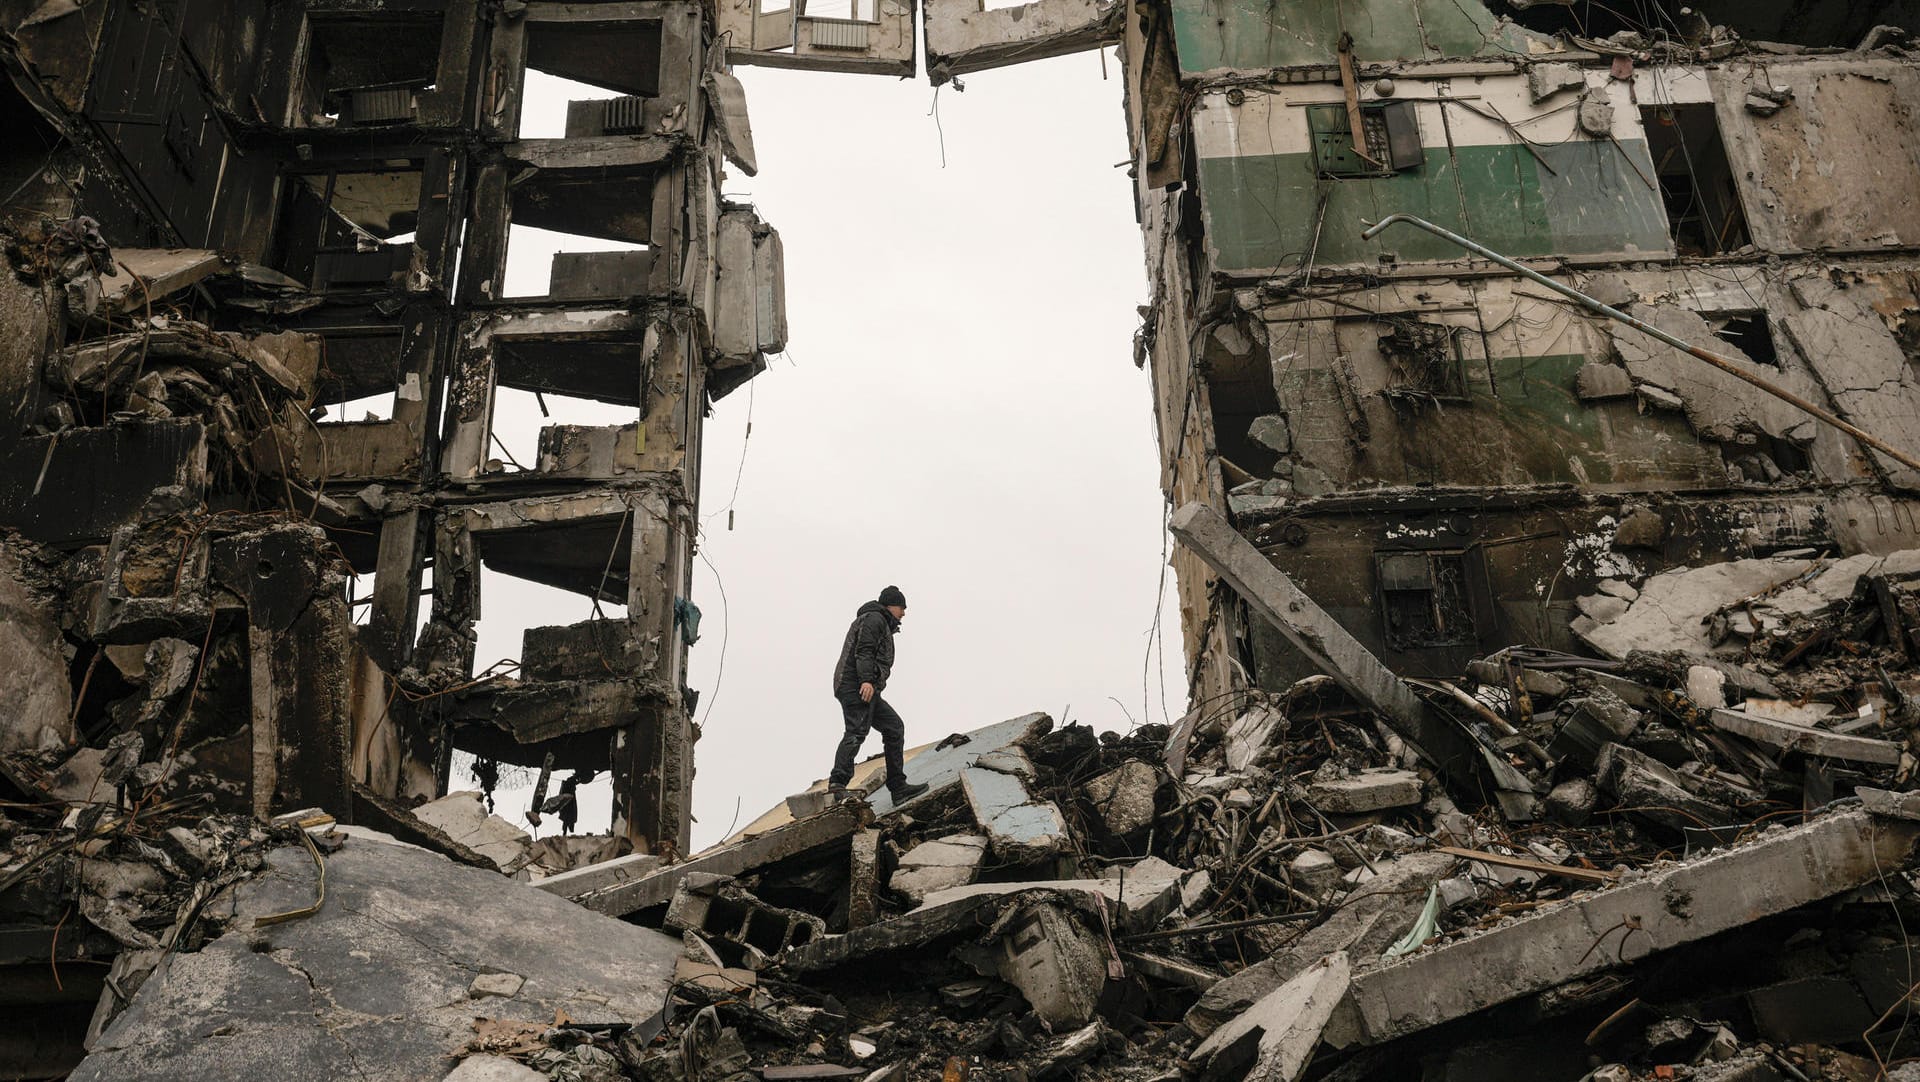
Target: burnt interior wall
[[297, 184]]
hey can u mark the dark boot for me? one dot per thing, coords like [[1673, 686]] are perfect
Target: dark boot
[[837, 794], [905, 791]]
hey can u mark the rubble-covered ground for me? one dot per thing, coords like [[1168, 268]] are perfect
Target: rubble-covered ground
[[1698, 865]]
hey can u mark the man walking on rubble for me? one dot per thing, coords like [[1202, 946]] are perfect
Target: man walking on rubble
[[866, 660]]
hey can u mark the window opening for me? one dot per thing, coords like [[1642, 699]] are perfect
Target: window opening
[[1424, 599], [546, 101], [1696, 180], [537, 266], [520, 416]]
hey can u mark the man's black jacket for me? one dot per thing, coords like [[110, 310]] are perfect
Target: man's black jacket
[[867, 655]]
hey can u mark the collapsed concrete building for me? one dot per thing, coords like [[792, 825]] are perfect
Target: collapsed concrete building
[[232, 229], [1447, 456], [1554, 694]]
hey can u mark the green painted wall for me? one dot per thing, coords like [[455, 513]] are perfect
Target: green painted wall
[[1210, 34], [1523, 423], [1260, 209]]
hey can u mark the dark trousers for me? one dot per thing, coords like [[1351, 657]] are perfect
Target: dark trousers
[[861, 717]]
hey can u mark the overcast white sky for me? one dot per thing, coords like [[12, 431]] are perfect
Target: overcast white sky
[[958, 414]]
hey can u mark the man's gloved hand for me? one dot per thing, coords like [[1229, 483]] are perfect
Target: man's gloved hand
[[866, 693]]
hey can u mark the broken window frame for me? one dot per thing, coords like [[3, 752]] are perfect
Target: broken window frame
[[1450, 604], [1397, 149]]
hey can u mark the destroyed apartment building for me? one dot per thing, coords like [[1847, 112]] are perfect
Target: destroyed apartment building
[[1554, 689]]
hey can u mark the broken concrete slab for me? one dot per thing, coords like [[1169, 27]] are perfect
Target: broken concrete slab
[[1786, 736], [830, 827], [939, 865], [607, 873], [1124, 796], [1020, 829], [388, 817], [154, 274], [1785, 868], [1546, 80], [1252, 732], [1868, 374], [377, 979], [1176, 971], [940, 765], [464, 818], [1763, 597], [1376, 914], [962, 36], [1273, 1040], [1009, 760], [1365, 791], [974, 918], [1145, 892], [1654, 791]]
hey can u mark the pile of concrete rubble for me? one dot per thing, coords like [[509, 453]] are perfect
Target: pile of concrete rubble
[[1694, 860]]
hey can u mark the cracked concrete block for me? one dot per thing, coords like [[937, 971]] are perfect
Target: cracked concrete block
[[465, 819], [1314, 871], [1656, 792], [1706, 687], [1251, 733], [1717, 405], [1371, 918], [1660, 398], [493, 1069], [1601, 607], [1546, 80], [1572, 802], [939, 865], [1861, 364], [1124, 796], [1457, 891], [1270, 430], [505, 985], [1008, 761], [1783, 736], [1273, 1040], [1616, 588], [1145, 891], [1365, 791], [1020, 829], [863, 879], [1596, 114]]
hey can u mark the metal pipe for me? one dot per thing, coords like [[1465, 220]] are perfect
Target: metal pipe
[[1714, 359]]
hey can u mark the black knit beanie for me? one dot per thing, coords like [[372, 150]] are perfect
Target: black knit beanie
[[892, 596]]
